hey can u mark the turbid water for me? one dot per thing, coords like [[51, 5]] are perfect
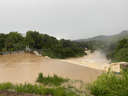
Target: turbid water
[[95, 60], [24, 67]]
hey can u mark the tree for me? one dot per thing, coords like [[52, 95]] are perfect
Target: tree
[[68, 52], [9, 43], [34, 39], [121, 44], [2, 41], [16, 37]]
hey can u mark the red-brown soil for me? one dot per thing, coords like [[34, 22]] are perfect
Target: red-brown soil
[[13, 93]]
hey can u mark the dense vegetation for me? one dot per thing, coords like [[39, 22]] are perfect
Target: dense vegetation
[[53, 80], [11, 41], [62, 48], [111, 84], [114, 51], [107, 84], [29, 88], [45, 87], [103, 46], [120, 53], [114, 47], [50, 45]]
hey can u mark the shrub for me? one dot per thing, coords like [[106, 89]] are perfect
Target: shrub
[[55, 80], [121, 55], [29, 88], [111, 84]]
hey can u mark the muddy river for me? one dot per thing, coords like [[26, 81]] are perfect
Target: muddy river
[[24, 67]]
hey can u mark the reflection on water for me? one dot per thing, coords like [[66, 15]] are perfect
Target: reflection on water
[[24, 67]]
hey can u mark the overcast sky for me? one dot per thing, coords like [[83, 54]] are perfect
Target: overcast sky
[[69, 19]]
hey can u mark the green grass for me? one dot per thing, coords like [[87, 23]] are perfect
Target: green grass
[[56, 85], [110, 84], [29, 88], [107, 84], [53, 80]]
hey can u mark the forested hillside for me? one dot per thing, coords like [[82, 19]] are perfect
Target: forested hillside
[[50, 45], [120, 53], [114, 47], [114, 51], [111, 38]]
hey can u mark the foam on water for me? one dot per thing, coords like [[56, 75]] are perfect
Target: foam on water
[[95, 60]]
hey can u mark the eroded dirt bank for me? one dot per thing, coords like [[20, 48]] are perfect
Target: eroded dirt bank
[[24, 67], [13, 93]]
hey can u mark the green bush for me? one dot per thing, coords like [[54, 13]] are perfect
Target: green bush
[[29, 88], [50, 53], [54, 80], [111, 84], [6, 86], [110, 55], [121, 55], [62, 53]]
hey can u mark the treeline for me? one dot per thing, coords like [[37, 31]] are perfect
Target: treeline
[[102, 46], [120, 54], [10, 42], [115, 51], [51, 46]]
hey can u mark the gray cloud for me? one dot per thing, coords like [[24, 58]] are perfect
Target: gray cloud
[[70, 19]]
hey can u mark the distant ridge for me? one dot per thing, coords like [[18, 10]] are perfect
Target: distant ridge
[[105, 38]]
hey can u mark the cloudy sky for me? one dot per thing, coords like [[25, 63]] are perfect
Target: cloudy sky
[[69, 19]]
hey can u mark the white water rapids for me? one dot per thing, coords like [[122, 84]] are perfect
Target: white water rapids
[[95, 60]]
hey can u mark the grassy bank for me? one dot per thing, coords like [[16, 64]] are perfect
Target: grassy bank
[[110, 84], [52, 80], [29, 88], [55, 85]]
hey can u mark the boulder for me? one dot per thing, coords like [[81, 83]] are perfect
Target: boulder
[[124, 66]]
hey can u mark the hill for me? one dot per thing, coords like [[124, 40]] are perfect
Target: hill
[[122, 35], [118, 38]]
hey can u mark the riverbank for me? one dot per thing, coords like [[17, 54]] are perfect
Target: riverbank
[[13, 93]]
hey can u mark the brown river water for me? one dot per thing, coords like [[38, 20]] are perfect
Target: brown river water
[[24, 67]]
